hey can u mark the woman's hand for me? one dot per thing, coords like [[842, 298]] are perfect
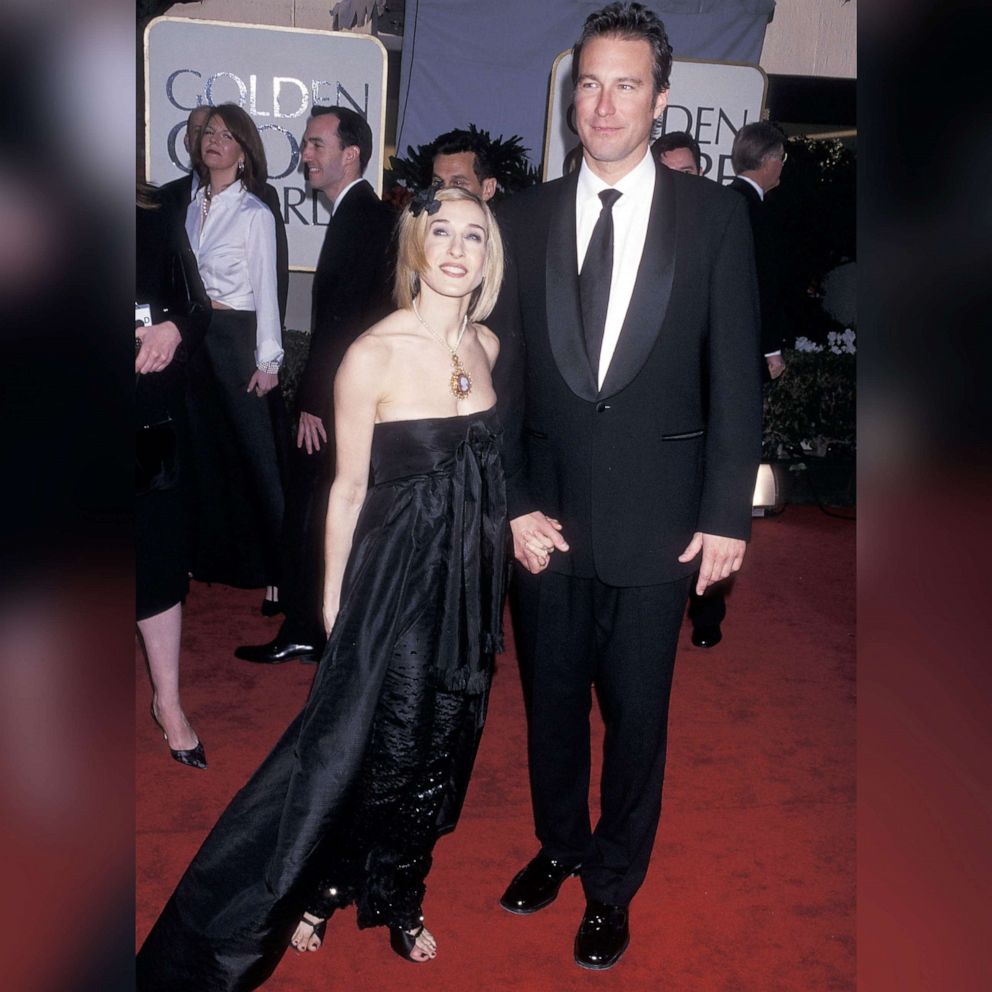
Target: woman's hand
[[535, 536], [158, 347], [263, 382]]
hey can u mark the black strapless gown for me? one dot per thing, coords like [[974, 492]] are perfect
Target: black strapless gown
[[348, 805]]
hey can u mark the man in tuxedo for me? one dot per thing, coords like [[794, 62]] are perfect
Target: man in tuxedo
[[351, 291], [757, 156], [629, 325], [178, 194], [463, 159]]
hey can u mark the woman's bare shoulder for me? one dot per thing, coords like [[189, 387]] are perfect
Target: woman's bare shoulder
[[488, 340]]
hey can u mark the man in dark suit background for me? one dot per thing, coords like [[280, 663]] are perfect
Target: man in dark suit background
[[351, 291], [178, 194], [629, 326], [758, 155]]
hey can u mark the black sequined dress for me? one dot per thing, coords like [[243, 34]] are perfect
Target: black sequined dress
[[350, 802]]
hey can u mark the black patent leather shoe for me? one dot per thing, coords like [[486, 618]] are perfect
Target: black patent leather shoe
[[536, 885], [276, 652], [706, 637], [602, 937]]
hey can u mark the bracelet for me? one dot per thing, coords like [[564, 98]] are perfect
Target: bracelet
[[271, 367]]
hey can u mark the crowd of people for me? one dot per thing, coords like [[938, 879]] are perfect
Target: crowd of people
[[573, 383]]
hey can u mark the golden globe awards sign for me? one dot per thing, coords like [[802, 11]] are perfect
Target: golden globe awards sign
[[277, 75], [710, 100]]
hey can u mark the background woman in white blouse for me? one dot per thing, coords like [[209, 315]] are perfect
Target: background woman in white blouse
[[237, 411]]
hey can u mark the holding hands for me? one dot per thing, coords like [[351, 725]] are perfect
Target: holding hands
[[535, 536]]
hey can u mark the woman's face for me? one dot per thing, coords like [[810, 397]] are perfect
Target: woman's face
[[455, 246], [218, 147]]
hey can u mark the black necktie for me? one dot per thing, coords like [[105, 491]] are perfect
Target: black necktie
[[595, 278]]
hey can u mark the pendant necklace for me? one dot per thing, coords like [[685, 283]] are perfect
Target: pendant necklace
[[460, 382]]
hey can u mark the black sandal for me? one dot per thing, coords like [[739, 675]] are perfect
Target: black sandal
[[318, 928], [404, 941]]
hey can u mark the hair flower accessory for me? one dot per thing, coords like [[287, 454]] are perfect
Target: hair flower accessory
[[424, 200]]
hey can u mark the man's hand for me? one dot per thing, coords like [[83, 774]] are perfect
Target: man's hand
[[535, 536], [776, 365], [263, 382], [721, 557], [310, 432], [158, 347]]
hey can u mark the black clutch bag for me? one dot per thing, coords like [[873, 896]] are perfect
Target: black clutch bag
[[155, 464]]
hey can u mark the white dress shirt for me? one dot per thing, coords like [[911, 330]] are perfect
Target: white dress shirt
[[630, 227], [757, 188], [235, 248]]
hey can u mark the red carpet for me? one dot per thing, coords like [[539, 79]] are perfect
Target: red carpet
[[751, 887]]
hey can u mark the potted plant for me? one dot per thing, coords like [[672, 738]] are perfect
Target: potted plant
[[810, 426]]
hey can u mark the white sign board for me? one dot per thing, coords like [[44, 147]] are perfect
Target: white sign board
[[710, 100], [277, 75]]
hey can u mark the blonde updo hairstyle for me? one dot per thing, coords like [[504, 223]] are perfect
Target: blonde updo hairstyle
[[411, 260]]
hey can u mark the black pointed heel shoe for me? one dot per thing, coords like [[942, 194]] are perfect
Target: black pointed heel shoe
[[404, 941], [194, 757]]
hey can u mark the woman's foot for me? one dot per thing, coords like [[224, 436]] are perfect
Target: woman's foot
[[184, 745], [416, 945], [174, 725], [309, 933]]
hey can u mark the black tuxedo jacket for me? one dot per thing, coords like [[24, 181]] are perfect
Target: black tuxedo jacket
[[351, 291], [670, 444], [177, 195], [768, 261]]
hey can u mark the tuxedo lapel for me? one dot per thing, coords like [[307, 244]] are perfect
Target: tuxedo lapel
[[564, 313], [652, 289]]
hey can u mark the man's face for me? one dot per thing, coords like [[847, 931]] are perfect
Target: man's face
[[615, 105], [680, 160], [195, 124], [459, 170], [326, 165]]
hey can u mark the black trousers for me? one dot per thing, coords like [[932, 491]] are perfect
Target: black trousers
[[302, 590], [238, 447], [573, 634]]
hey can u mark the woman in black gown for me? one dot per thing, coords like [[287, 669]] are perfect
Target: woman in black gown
[[348, 806]]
